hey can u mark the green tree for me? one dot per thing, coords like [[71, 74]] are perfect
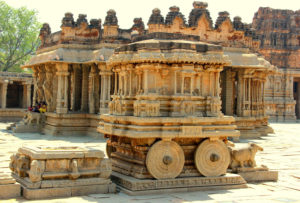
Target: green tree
[[19, 31]]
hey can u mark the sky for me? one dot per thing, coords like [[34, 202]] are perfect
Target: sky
[[52, 11]]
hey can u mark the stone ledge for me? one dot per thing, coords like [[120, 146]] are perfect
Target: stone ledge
[[134, 186], [259, 176], [47, 193]]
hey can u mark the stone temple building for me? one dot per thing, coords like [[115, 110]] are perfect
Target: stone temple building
[[16, 90], [279, 34], [75, 74]]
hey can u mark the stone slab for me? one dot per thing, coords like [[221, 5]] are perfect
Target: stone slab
[[20, 128], [134, 186], [10, 191], [62, 152], [259, 176], [179, 190], [46, 193]]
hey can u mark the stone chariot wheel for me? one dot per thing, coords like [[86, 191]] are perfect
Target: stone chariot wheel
[[165, 159], [212, 158]]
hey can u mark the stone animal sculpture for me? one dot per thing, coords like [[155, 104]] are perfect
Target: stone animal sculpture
[[244, 157], [19, 164], [30, 117]]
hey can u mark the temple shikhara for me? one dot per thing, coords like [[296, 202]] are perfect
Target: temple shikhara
[[169, 97]]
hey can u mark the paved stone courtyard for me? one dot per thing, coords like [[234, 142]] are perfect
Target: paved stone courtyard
[[281, 152]]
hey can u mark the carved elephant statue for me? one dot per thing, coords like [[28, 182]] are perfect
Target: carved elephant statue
[[244, 157]]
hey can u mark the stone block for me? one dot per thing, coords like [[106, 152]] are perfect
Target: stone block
[[259, 176], [8, 191], [47, 193]]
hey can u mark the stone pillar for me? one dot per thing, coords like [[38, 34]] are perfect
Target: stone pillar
[[175, 82], [35, 87], [84, 90], [73, 83], [211, 79], [229, 80], [4, 94], [298, 100], [182, 83], [240, 94], [92, 88], [116, 84], [146, 81], [105, 87], [217, 83], [28, 95], [62, 90]]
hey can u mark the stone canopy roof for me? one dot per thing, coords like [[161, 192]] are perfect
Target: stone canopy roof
[[72, 54], [169, 51], [242, 58]]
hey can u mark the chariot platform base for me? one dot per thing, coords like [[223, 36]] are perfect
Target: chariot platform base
[[134, 186]]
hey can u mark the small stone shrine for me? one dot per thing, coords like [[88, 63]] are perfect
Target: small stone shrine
[[47, 172]]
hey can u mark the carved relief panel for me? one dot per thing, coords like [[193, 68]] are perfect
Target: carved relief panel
[[146, 108]]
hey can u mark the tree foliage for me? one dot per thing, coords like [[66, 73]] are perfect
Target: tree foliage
[[19, 31]]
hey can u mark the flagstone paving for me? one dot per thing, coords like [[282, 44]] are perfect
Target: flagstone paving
[[281, 152]]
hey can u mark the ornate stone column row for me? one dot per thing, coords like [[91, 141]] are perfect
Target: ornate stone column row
[[250, 97]]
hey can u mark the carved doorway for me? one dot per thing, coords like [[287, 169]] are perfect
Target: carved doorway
[[14, 98]]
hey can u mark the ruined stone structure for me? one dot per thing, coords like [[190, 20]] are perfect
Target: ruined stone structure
[[15, 95], [279, 35], [47, 172]]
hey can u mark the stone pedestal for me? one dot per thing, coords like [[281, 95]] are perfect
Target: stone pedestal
[[47, 172]]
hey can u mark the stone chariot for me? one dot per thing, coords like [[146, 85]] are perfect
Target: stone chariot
[[164, 119]]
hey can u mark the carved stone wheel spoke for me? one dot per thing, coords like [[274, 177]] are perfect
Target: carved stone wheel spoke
[[212, 158], [165, 159]]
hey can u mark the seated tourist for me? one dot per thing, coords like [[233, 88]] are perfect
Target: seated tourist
[[43, 109], [35, 109], [30, 108]]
